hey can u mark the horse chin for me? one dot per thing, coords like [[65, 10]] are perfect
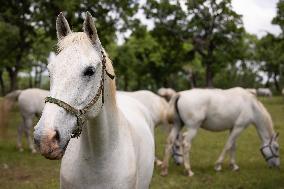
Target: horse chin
[[56, 153], [274, 164]]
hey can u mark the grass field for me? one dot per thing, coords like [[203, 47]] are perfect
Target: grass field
[[26, 170]]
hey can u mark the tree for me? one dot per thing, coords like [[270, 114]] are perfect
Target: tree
[[216, 31], [270, 53], [279, 18], [170, 33], [23, 22]]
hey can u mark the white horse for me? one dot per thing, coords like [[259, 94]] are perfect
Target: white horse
[[264, 92], [218, 110], [252, 91], [157, 108], [31, 103], [103, 140], [166, 93]]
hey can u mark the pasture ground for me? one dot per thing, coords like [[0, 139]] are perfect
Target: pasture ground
[[30, 171]]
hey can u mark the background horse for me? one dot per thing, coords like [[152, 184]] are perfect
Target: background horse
[[218, 110], [264, 92], [31, 103], [166, 93], [104, 140], [157, 108]]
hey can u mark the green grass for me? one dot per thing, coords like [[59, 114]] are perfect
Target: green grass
[[25, 170]]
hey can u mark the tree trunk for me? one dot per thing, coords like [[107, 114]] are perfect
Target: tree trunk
[[13, 74], [191, 79], [125, 83], [30, 80], [209, 75], [2, 84], [276, 82]]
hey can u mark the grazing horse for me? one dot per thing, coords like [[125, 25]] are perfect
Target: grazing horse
[[166, 93], [264, 92], [157, 108], [31, 103], [218, 110], [100, 136]]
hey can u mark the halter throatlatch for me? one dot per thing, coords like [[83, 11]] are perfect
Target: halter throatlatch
[[81, 113], [273, 155]]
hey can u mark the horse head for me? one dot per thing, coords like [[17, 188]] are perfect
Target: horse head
[[76, 87]]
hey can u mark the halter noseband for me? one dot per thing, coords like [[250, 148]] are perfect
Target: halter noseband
[[81, 113], [273, 155]]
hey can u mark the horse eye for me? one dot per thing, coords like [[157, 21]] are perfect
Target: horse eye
[[89, 71]]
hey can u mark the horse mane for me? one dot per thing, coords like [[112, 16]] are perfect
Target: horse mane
[[266, 116], [81, 38]]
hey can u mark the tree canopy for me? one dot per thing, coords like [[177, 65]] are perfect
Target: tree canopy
[[194, 43]]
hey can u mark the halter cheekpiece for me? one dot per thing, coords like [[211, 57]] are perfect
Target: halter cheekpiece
[[269, 146], [81, 113]]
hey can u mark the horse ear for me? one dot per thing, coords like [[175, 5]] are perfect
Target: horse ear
[[90, 28], [62, 27]]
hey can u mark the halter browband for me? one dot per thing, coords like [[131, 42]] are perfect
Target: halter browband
[[81, 113]]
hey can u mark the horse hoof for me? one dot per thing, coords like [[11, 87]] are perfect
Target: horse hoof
[[235, 167], [33, 151], [190, 173], [218, 167], [159, 163], [164, 173]]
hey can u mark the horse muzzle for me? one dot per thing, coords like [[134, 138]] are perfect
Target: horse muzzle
[[48, 144]]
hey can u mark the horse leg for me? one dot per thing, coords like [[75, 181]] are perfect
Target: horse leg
[[233, 163], [28, 125], [20, 134], [186, 143], [229, 144], [168, 150]]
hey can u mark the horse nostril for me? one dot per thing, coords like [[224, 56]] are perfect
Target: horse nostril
[[57, 135]]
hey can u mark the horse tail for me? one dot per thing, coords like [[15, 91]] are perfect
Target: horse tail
[[171, 113], [5, 107]]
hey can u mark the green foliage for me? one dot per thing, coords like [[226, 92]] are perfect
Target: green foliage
[[190, 45], [279, 19]]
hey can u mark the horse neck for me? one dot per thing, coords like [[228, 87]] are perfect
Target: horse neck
[[263, 123], [102, 131]]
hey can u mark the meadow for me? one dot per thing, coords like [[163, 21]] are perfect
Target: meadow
[[23, 170]]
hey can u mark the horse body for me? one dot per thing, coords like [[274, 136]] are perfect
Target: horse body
[[156, 107], [218, 110], [166, 93], [264, 92], [214, 110], [31, 103], [114, 148], [111, 162]]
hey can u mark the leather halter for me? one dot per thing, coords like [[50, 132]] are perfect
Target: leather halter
[[81, 113], [273, 155]]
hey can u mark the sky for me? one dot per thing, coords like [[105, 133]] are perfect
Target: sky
[[257, 15]]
